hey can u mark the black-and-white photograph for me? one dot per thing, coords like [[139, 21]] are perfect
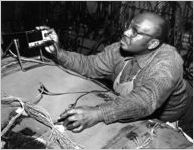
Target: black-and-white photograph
[[96, 74]]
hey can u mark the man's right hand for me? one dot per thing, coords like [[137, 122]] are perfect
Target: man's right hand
[[52, 35]]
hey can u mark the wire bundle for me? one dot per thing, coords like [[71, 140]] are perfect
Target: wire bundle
[[42, 116]]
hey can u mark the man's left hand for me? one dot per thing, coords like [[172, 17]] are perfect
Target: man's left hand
[[80, 118]]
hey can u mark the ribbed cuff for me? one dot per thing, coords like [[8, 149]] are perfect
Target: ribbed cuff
[[61, 57], [107, 113]]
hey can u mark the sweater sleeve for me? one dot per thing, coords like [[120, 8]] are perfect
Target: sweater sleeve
[[93, 66]]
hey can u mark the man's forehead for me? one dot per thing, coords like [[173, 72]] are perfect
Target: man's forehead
[[148, 18], [144, 23]]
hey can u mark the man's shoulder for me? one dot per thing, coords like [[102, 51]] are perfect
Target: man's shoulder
[[114, 47], [167, 48], [169, 53]]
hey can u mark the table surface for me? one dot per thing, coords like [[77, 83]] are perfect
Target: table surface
[[26, 85]]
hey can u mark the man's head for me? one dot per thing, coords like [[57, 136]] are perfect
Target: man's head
[[145, 33]]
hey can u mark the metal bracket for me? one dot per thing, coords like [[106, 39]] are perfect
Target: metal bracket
[[18, 54]]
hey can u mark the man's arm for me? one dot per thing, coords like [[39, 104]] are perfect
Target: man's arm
[[94, 66], [141, 102], [147, 96]]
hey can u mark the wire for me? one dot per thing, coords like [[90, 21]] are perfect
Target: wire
[[55, 64], [83, 77], [41, 115], [7, 49], [31, 60], [44, 90], [19, 112]]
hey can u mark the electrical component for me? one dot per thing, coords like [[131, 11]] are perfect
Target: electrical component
[[36, 38]]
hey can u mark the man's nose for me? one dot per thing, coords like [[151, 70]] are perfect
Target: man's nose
[[128, 33]]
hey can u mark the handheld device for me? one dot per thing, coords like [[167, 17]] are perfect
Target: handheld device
[[37, 38]]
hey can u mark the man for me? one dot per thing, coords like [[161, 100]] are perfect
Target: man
[[147, 75]]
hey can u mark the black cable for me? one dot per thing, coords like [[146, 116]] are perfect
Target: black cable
[[45, 91]]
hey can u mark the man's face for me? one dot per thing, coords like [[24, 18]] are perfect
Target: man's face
[[139, 33]]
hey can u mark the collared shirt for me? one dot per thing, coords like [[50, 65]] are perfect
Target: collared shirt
[[159, 87]]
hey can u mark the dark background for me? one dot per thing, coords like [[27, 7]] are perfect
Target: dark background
[[87, 26]]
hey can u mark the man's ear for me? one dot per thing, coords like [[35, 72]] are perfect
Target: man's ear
[[152, 44]]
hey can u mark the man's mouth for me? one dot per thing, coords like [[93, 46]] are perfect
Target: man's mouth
[[123, 41]]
